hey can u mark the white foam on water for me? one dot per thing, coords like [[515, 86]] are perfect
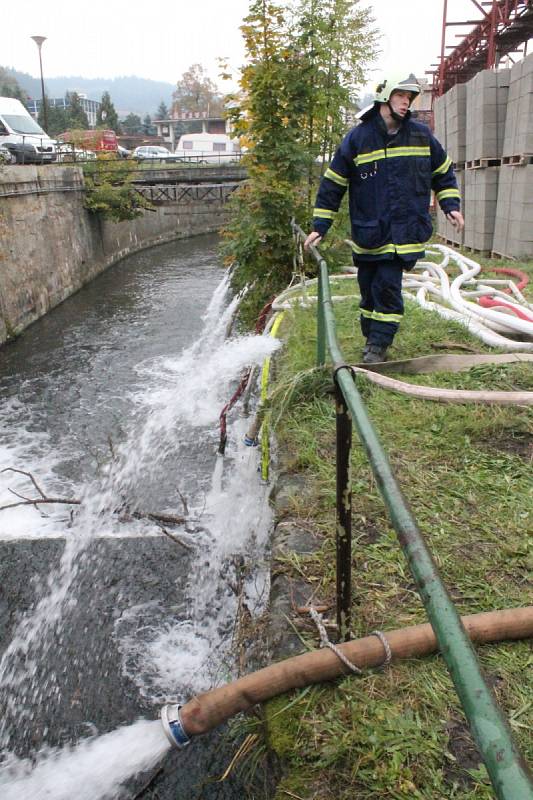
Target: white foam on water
[[165, 657], [94, 769]]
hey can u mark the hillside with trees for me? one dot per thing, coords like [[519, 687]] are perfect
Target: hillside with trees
[[130, 94]]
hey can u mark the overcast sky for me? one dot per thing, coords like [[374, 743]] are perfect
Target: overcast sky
[[160, 41]]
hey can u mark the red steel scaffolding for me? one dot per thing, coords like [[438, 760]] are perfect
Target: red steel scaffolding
[[505, 26]]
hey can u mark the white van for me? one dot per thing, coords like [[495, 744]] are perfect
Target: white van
[[208, 147], [22, 136]]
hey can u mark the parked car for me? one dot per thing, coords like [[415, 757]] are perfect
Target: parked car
[[153, 151], [123, 152], [22, 136], [67, 153]]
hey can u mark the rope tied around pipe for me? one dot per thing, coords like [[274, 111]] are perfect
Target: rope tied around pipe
[[325, 642]]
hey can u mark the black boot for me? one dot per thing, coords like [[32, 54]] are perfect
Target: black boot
[[374, 354]]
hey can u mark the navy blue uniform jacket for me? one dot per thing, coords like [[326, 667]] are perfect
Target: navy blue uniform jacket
[[389, 180]]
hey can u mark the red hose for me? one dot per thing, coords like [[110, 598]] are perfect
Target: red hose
[[486, 301], [259, 328]]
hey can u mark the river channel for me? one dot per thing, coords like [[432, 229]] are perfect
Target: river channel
[[111, 402]]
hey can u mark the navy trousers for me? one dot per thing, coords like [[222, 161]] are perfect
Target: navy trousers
[[381, 306]]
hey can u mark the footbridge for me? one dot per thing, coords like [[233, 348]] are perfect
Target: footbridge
[[184, 184]]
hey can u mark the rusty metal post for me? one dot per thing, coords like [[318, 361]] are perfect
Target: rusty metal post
[[343, 540]]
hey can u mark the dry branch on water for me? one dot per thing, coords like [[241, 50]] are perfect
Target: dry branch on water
[[126, 514]]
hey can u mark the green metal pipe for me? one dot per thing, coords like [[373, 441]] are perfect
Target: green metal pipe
[[506, 766]]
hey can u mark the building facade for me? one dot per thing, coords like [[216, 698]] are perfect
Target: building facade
[[170, 130], [89, 106]]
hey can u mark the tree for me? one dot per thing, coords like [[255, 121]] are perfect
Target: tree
[[162, 112], [107, 116], [268, 118], [9, 87], [132, 124], [301, 76], [58, 119], [337, 43], [196, 92], [149, 128], [77, 118]]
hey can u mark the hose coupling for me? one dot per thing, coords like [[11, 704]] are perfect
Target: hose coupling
[[173, 727]]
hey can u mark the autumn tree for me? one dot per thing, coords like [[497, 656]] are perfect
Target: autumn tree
[[267, 116], [196, 92], [305, 63]]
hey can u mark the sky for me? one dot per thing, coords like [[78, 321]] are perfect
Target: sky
[[110, 39]]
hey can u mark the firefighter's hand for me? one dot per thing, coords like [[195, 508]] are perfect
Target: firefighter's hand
[[314, 238], [456, 219]]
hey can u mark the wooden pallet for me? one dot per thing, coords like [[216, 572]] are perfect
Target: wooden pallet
[[482, 163], [495, 254], [518, 160]]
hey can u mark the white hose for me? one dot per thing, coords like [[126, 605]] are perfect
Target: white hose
[[496, 326]]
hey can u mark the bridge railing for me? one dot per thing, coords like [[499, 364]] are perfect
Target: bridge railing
[[506, 767]]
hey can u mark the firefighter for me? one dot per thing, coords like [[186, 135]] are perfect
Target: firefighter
[[389, 163]]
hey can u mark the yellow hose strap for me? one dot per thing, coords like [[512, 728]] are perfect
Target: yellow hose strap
[[265, 434]]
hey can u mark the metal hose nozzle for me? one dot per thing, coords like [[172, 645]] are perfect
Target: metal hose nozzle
[[172, 725]]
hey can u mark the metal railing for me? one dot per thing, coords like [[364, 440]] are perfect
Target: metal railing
[[507, 769]]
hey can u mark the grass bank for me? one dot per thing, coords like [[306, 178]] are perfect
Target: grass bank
[[466, 472]]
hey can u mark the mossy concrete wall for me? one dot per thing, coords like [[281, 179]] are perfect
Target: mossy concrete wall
[[50, 245]]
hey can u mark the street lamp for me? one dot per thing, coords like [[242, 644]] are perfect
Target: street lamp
[[39, 42]]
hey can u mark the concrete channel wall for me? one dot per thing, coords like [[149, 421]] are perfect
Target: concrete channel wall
[[50, 245], [486, 126]]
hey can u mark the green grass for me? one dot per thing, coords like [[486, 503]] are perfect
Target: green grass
[[466, 472]]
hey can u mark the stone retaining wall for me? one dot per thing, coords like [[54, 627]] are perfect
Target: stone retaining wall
[[50, 245]]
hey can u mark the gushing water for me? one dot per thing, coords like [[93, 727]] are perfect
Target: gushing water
[[180, 403], [94, 769]]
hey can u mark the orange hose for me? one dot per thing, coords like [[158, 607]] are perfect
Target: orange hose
[[210, 709]]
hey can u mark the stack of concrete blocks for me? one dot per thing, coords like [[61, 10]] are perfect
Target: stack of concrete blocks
[[444, 228], [518, 140], [456, 124], [450, 130], [486, 105], [486, 109], [513, 233], [481, 197]]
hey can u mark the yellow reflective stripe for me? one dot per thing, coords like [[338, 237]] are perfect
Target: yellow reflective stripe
[[386, 248], [386, 317], [410, 248], [364, 158], [408, 151], [335, 177], [324, 213], [444, 167], [403, 249], [365, 313], [444, 193]]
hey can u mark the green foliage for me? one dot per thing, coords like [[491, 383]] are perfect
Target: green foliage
[[110, 191], [132, 124], [77, 118], [305, 61], [107, 116], [162, 112], [9, 87], [465, 470], [58, 119]]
